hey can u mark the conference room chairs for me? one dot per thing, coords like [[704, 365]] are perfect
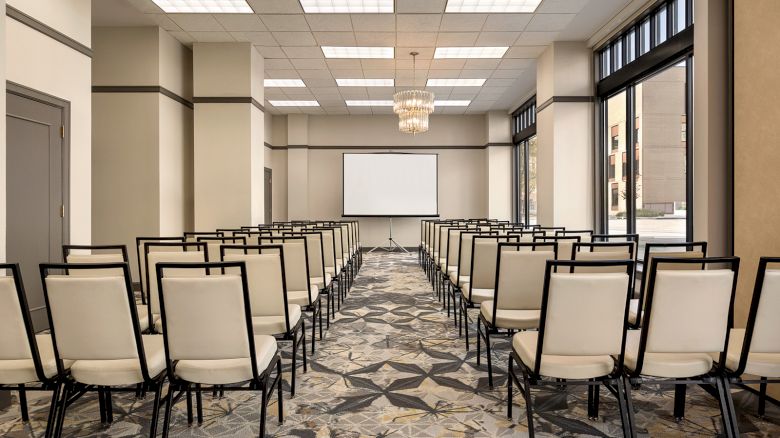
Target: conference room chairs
[[480, 288], [318, 276], [524, 234], [227, 232], [565, 244], [585, 235], [603, 251], [450, 267], [213, 244], [516, 301], [753, 354], [341, 268], [581, 337], [462, 273], [209, 337], [688, 317], [172, 252], [27, 360], [681, 250], [272, 314], [139, 252], [300, 291], [95, 328], [549, 231], [253, 236], [616, 238], [329, 261], [192, 236]]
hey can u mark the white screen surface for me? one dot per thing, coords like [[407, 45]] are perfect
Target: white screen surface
[[388, 184]]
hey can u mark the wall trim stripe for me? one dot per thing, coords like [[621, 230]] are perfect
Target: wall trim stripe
[[382, 148], [142, 89], [230, 99], [47, 30], [564, 99]]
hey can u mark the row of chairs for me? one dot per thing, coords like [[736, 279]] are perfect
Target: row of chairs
[[572, 305], [211, 323]]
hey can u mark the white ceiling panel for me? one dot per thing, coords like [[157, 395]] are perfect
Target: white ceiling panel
[[256, 38], [381, 39], [419, 39], [417, 22], [491, 39], [373, 22], [450, 39], [329, 22], [549, 22], [212, 37], [507, 22], [462, 22], [271, 52], [240, 22], [303, 52], [309, 64], [294, 38], [335, 38], [288, 23], [196, 22], [275, 6]]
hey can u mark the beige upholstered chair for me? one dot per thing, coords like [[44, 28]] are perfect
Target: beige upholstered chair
[[581, 334], [548, 231], [170, 252], [318, 275], [331, 267], [565, 244], [271, 312], [517, 299], [682, 250], [192, 236], [103, 254], [585, 235], [209, 337], [140, 260], [687, 319], [603, 251], [94, 326], [450, 267], [27, 360], [213, 244]]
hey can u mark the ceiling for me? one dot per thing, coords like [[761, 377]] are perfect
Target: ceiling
[[290, 41]]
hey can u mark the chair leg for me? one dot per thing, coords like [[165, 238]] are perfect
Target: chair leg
[[279, 397], [728, 427], [320, 313], [509, 388], [327, 311], [489, 359], [55, 398], [593, 401], [190, 418], [168, 407], [61, 414], [679, 402], [102, 406], [109, 406], [263, 401], [303, 344], [730, 406], [529, 410], [623, 407], [199, 402], [155, 411], [762, 398], [313, 329], [629, 406], [23, 404], [466, 325], [479, 339], [294, 363]]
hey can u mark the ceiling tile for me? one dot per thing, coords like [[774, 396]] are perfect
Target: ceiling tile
[[462, 22], [347, 73], [378, 73], [420, 6], [448, 63], [278, 64], [303, 52], [408, 64], [417, 22], [475, 74], [424, 52], [373, 64], [289, 23], [329, 22], [515, 63], [416, 39], [507, 22], [164, 22], [294, 38], [456, 39], [342, 64], [183, 37], [257, 38], [375, 39], [549, 22], [212, 37], [240, 22], [536, 38], [561, 6], [525, 52], [482, 64], [314, 74], [373, 22], [497, 39], [443, 74], [310, 64], [499, 82], [196, 22], [271, 52], [271, 73], [507, 74], [323, 91], [276, 6], [335, 38]]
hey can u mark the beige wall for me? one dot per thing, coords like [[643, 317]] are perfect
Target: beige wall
[[41, 63], [2, 133], [383, 131]]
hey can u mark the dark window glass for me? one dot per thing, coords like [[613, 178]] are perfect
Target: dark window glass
[[660, 26], [630, 46], [617, 49], [614, 197], [644, 37], [611, 167]]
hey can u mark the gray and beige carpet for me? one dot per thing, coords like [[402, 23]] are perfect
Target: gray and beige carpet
[[392, 365]]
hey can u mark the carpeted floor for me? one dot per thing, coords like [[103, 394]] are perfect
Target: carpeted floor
[[392, 365]]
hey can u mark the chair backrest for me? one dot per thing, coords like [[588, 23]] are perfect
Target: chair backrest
[[314, 252], [92, 317], [206, 318], [549, 231], [465, 246], [689, 311], [192, 236], [693, 250], [565, 244], [295, 258], [167, 252], [524, 234], [616, 238], [484, 250], [139, 248], [585, 235], [453, 245], [265, 277], [584, 314], [603, 251], [95, 254], [328, 248], [213, 244], [520, 269]]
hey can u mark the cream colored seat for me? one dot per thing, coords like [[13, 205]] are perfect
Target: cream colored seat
[[565, 244], [687, 318], [94, 326], [582, 327], [214, 244], [518, 296], [208, 334], [141, 260]]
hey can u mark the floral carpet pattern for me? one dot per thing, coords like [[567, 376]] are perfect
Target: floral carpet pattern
[[392, 365]]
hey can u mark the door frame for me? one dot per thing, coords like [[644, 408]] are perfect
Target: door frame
[[64, 106], [268, 208]]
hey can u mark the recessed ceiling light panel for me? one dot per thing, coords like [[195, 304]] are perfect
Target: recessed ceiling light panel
[[358, 52], [294, 102], [491, 6], [455, 82], [365, 82], [347, 6], [469, 52], [205, 6], [451, 102], [288, 83], [369, 102]]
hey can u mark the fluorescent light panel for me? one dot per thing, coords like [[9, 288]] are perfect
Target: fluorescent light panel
[[492, 6], [451, 103], [358, 52], [469, 52], [205, 6], [369, 102], [347, 6], [294, 102], [455, 82], [288, 83], [365, 82]]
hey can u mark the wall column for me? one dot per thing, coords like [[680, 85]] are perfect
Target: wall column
[[297, 166], [499, 165], [229, 135], [565, 133]]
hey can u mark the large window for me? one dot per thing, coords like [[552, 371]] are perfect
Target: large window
[[646, 105], [525, 155]]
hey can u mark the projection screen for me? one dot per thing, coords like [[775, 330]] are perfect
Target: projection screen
[[390, 184]]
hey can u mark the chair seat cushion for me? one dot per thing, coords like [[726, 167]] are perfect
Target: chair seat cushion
[[633, 310], [673, 365], [464, 280], [300, 298], [227, 371], [758, 364], [275, 325], [320, 282], [510, 318], [477, 295], [561, 367], [143, 316], [17, 371], [113, 372]]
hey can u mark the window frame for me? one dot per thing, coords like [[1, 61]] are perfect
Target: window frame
[[523, 129]]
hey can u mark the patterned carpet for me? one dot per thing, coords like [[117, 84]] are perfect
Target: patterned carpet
[[392, 365]]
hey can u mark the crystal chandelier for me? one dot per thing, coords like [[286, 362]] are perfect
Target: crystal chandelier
[[413, 106]]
